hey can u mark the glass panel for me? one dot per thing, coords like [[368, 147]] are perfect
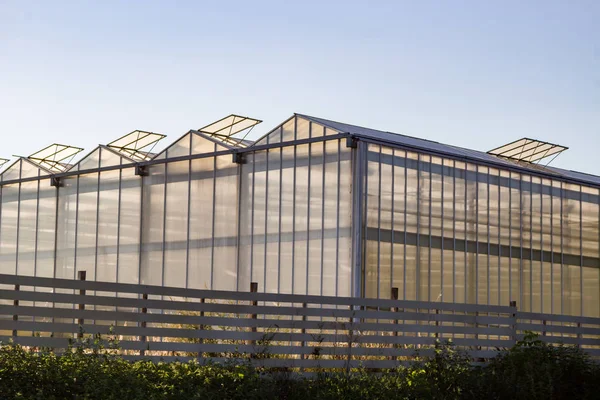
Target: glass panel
[[67, 226], [27, 228], [129, 227], [225, 222], [12, 172], [90, 161], [109, 158], [86, 225], [176, 223], [108, 227], [153, 226], [181, 147], [201, 215]]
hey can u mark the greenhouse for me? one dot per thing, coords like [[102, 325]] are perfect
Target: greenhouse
[[312, 207]]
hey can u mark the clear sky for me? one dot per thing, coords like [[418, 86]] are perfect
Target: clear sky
[[474, 74]]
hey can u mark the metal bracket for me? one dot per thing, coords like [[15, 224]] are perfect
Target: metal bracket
[[56, 182], [352, 142], [238, 158], [141, 170]]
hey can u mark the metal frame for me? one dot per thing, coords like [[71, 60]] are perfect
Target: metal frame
[[360, 160], [529, 150]]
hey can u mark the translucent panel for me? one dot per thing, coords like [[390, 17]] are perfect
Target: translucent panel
[[87, 217], [591, 292], [67, 227], [108, 226], [288, 130], [90, 161], [273, 175], [411, 273], [27, 228], [301, 220], [200, 256], [181, 147], [201, 145], [12, 172], [129, 227], [258, 221], [175, 262], [8, 230], [303, 128], [108, 158], [153, 215], [225, 224], [571, 290]]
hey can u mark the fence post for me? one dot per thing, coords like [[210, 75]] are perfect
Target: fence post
[[16, 316], [513, 304], [81, 276], [437, 324], [303, 330], [143, 324], [253, 289], [579, 334], [394, 296], [544, 331]]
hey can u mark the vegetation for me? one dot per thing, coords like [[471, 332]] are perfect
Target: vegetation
[[92, 369]]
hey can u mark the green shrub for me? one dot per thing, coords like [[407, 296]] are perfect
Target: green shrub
[[91, 369]]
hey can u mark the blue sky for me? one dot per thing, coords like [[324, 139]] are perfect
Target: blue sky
[[474, 74]]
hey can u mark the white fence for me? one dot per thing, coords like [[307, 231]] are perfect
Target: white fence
[[271, 330]]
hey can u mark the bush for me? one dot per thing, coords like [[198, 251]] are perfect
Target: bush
[[90, 369], [533, 369]]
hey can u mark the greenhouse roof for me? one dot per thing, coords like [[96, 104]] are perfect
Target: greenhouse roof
[[453, 151]]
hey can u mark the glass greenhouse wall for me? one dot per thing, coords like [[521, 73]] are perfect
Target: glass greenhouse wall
[[313, 207]]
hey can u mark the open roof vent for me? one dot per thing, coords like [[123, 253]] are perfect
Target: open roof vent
[[226, 128], [3, 161], [133, 144], [56, 157], [528, 150]]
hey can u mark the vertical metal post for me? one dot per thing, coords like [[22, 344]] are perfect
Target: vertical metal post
[[214, 209], [405, 223], [454, 231], [378, 221], [118, 221], [279, 221], [488, 256], [442, 232], [357, 218], [293, 266], [392, 225], [323, 202], [308, 194], [16, 316], [429, 234], [418, 257], [37, 221], [337, 218], [562, 254], [188, 222], [581, 308], [81, 275], [552, 247], [266, 225]]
